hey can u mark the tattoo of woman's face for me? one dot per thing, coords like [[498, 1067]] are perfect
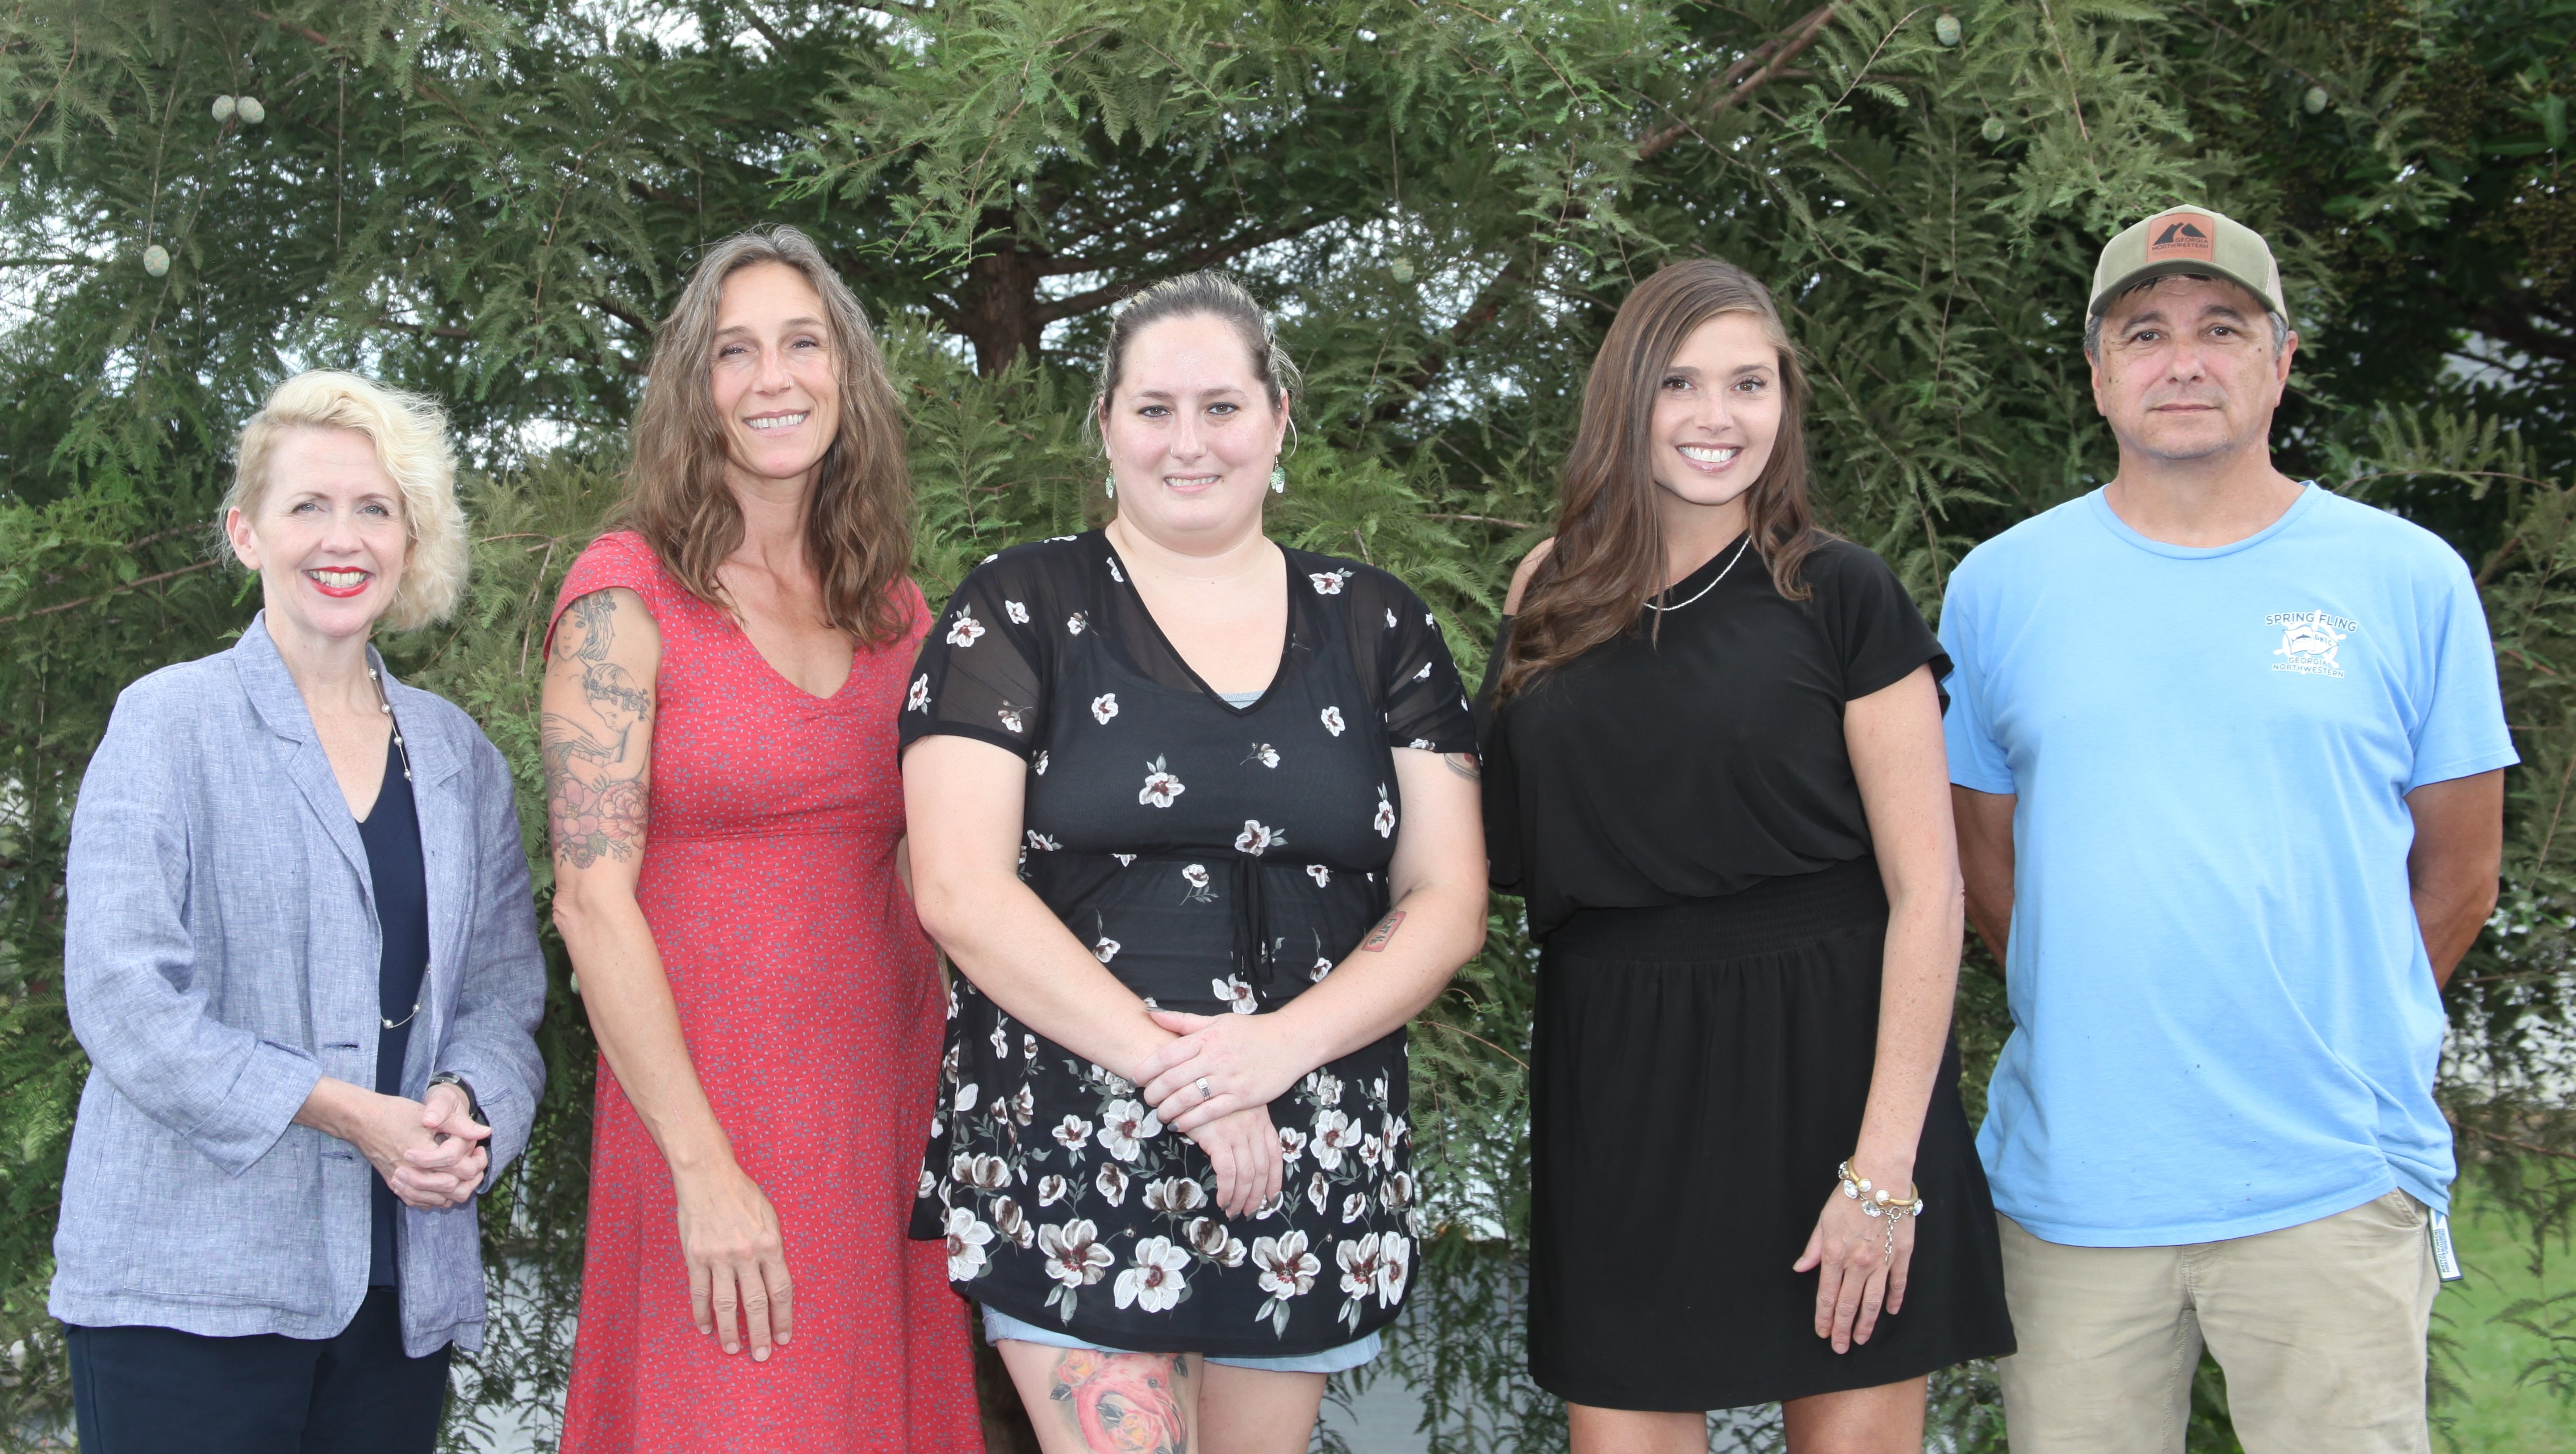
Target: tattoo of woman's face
[[612, 693]]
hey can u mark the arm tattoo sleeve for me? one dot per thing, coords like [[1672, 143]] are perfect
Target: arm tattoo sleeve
[[595, 758]]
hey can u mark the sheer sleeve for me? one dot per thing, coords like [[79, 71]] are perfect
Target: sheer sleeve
[[1877, 630], [1499, 773], [1424, 701], [984, 670]]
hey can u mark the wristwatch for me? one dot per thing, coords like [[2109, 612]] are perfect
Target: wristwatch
[[473, 1107]]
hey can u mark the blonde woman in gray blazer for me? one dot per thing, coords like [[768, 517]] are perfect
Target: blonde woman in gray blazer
[[303, 959]]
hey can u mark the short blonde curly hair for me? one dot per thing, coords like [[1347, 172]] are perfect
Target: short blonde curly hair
[[410, 436]]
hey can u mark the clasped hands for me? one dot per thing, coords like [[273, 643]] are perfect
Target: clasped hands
[[430, 1151], [1214, 1084]]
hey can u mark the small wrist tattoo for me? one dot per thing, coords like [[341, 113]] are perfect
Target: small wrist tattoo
[[1385, 931]]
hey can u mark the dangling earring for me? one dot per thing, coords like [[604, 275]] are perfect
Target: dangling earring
[[1111, 485], [1279, 479]]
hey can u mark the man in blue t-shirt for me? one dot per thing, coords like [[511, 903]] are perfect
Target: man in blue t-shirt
[[2228, 761]]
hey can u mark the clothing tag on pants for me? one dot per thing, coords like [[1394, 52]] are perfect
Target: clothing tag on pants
[[2437, 1225]]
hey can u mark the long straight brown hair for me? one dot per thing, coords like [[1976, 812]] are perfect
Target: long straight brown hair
[[858, 520], [1608, 561]]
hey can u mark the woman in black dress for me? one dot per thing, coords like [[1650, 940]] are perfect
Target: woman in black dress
[[1181, 816], [1718, 781]]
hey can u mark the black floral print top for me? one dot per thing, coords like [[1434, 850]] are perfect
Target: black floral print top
[[1216, 859]]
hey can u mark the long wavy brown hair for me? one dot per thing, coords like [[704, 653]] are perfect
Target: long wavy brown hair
[[858, 520], [1608, 560]]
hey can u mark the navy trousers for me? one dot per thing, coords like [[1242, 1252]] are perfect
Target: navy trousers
[[138, 1390]]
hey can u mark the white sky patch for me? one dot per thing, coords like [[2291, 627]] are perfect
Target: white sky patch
[[2480, 360], [31, 276]]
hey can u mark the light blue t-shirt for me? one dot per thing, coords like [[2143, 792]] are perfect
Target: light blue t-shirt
[[2224, 1021]]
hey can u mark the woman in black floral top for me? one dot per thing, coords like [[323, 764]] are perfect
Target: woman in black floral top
[[1233, 847]]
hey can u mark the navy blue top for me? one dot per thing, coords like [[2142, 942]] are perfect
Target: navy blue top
[[391, 831]]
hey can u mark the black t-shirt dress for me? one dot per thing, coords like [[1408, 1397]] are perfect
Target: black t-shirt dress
[[1677, 807]]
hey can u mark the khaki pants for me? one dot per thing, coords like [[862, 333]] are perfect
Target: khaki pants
[[2320, 1327]]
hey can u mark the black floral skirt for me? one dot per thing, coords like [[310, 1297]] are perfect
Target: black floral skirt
[[1698, 1073]]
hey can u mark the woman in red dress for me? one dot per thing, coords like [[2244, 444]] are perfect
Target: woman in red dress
[[723, 678]]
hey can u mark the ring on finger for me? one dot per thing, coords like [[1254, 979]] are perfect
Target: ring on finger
[[1206, 1092]]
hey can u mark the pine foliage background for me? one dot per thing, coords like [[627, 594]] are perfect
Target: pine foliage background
[[492, 200]]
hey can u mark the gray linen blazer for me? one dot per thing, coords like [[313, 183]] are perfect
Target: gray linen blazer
[[220, 957]]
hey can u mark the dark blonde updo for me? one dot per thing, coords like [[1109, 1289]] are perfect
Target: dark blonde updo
[[1193, 295]]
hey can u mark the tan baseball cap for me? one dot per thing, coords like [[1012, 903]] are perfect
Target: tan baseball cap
[[2189, 240]]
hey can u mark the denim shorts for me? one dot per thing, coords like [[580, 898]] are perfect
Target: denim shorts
[[999, 1325]]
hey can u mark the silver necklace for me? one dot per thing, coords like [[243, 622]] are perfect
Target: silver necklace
[[385, 704], [1712, 585]]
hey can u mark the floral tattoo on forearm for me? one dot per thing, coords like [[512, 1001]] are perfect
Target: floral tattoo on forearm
[[595, 788]]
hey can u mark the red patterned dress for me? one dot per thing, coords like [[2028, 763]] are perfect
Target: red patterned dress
[[813, 1010]]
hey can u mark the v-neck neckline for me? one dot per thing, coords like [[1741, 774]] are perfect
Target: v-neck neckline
[[1121, 575], [395, 767], [783, 679]]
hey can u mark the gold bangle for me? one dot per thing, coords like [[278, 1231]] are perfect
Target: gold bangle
[[1878, 1201]]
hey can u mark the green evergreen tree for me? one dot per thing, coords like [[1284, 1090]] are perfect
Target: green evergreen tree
[[492, 200]]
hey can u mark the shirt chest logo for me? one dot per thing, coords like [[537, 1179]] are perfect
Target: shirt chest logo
[[2309, 641]]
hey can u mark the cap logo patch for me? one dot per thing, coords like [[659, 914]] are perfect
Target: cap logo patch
[[2182, 235]]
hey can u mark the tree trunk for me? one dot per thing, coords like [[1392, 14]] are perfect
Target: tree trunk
[[998, 306]]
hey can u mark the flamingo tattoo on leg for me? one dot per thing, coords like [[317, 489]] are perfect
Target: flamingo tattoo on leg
[[1124, 1403]]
